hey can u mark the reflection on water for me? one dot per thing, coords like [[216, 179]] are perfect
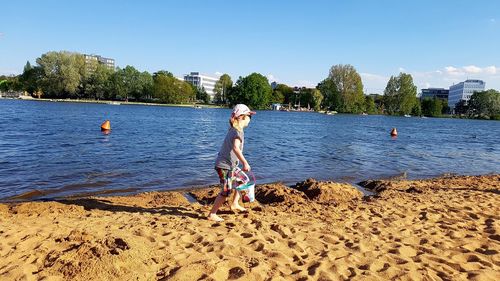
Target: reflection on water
[[57, 149]]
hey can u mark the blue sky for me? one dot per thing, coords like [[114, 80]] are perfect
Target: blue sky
[[292, 42]]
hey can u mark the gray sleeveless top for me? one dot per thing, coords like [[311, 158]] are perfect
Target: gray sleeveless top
[[226, 159]]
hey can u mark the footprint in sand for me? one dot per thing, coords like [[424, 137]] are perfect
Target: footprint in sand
[[298, 261], [384, 267], [252, 262], [256, 245], [489, 228], [311, 270], [495, 237], [486, 251], [283, 231], [235, 273], [197, 238], [246, 235], [270, 240]]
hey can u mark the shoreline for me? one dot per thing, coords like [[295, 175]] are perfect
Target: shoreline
[[212, 106], [438, 228], [111, 102], [28, 195]]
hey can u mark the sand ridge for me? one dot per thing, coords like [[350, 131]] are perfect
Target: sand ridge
[[437, 229]]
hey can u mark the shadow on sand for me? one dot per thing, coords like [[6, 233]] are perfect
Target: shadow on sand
[[100, 204]]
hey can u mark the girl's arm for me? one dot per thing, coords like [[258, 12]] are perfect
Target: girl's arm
[[239, 154]]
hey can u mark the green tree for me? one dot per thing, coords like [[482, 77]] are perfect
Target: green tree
[[201, 94], [162, 72], [343, 89], [277, 97], [379, 102], [117, 89], [416, 110], [400, 95], [461, 107], [370, 106], [331, 100], [284, 92], [485, 104], [222, 87], [168, 89], [61, 73], [132, 83], [10, 83], [253, 90], [97, 85], [310, 98], [305, 97], [129, 83], [146, 83], [391, 103], [30, 77], [4, 85], [432, 107], [317, 99]]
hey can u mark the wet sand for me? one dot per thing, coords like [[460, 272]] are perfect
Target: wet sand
[[436, 229]]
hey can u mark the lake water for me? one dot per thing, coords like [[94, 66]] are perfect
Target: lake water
[[59, 150]]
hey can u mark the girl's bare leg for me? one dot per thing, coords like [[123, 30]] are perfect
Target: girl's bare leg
[[236, 202], [213, 213]]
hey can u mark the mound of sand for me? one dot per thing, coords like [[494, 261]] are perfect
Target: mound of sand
[[328, 192], [489, 183], [278, 193], [154, 199], [205, 196], [44, 208]]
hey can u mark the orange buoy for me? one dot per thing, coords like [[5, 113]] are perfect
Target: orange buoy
[[394, 132], [105, 126]]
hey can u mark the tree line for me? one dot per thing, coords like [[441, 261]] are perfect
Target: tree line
[[67, 75], [482, 105]]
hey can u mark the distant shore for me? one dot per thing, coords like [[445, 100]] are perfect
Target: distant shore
[[442, 228], [119, 102]]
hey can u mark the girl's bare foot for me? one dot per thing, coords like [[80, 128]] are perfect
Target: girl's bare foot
[[214, 217], [237, 208]]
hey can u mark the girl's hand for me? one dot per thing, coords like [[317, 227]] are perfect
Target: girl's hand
[[246, 167]]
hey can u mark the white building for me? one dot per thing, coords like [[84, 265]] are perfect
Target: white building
[[463, 91], [202, 81]]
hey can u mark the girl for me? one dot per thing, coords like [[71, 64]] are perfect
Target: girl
[[230, 155]]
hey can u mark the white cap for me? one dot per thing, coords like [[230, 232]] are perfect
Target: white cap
[[241, 109]]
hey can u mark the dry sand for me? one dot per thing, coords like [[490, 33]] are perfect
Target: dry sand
[[437, 229]]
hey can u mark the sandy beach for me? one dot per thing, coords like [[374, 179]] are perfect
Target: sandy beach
[[436, 229]]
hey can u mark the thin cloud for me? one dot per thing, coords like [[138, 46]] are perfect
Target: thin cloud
[[440, 78], [305, 83], [373, 83], [452, 74], [472, 69], [271, 77], [373, 77], [491, 70], [8, 72], [1, 34], [451, 70]]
